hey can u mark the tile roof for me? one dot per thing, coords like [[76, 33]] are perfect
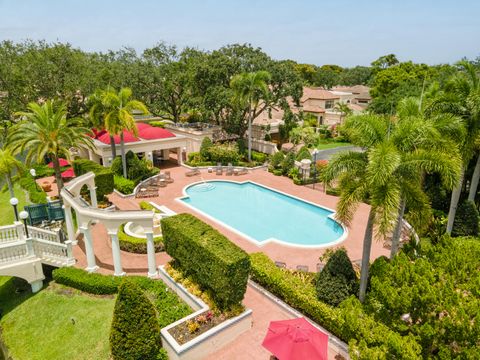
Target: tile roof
[[317, 93]]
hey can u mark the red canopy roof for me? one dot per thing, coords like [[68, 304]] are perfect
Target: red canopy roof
[[104, 137], [141, 126], [296, 339], [62, 162], [152, 133], [68, 173]]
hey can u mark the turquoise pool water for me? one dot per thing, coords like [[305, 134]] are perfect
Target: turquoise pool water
[[262, 214]]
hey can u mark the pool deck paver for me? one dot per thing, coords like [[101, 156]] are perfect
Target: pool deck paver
[[248, 345]]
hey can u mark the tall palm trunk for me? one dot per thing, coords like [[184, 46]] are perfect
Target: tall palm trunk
[[367, 246], [58, 174], [454, 202], [474, 183], [112, 146], [398, 228], [249, 135], [10, 185], [124, 159]]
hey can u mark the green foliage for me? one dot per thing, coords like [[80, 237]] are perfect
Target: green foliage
[[205, 148], [160, 124], [214, 261], [466, 220], [136, 245], [147, 206], [259, 157], [43, 170], [91, 283], [276, 159], [35, 192], [224, 153], [103, 176], [348, 322], [135, 333], [439, 290], [337, 280], [125, 186], [288, 162], [169, 307], [303, 154], [137, 170]]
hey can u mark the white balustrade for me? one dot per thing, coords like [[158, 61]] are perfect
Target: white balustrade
[[48, 251], [13, 251], [42, 234], [8, 233]]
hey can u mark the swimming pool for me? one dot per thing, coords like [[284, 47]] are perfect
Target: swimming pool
[[262, 214]]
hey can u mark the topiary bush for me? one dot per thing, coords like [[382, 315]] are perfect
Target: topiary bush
[[205, 148], [337, 280], [215, 262], [103, 176], [135, 333], [125, 186], [137, 170], [224, 153], [89, 282], [466, 220], [304, 153]]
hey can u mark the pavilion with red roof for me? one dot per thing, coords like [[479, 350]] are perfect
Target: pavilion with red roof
[[153, 143]]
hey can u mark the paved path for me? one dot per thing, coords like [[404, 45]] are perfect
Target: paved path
[[328, 153]]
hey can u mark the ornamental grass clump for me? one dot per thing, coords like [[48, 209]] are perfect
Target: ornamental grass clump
[[135, 332]]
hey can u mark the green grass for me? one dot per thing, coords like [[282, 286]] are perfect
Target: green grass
[[6, 209], [39, 326], [330, 145]]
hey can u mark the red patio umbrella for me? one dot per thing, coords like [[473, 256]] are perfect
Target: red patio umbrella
[[68, 173], [62, 161], [296, 339]]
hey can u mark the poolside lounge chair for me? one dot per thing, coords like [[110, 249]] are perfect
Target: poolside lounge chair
[[229, 169], [219, 169], [303, 268], [280, 264], [168, 177], [240, 171], [193, 172]]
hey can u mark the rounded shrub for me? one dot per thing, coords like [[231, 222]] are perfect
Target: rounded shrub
[[304, 153], [466, 220], [337, 280], [205, 148], [276, 160], [135, 332]]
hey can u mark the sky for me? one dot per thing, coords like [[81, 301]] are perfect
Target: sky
[[342, 32]]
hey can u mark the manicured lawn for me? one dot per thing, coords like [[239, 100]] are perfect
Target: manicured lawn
[[56, 323], [331, 145], [6, 209]]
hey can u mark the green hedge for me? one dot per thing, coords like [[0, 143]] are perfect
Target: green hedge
[[35, 192], [125, 186], [135, 333], [259, 157], [147, 206], [92, 283], [348, 322], [135, 245], [103, 176], [214, 261]]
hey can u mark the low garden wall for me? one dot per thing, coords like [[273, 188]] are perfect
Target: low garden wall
[[208, 342]]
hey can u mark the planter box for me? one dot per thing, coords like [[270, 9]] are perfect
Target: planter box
[[211, 340]]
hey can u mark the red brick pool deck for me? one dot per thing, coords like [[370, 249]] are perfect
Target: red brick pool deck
[[247, 346]]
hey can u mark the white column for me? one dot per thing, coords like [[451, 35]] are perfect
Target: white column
[[87, 239], [69, 222], [36, 286], [180, 155], [117, 261], [152, 266], [93, 196]]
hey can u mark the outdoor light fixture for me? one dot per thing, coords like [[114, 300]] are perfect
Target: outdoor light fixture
[[33, 172], [24, 217], [14, 203]]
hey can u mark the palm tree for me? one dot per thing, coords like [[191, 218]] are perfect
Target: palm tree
[[96, 116], [44, 130], [343, 109], [249, 89], [462, 98], [8, 164], [114, 111]]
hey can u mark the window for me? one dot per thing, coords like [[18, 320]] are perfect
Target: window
[[328, 104]]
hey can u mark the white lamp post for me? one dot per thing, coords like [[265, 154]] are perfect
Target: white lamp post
[[24, 217], [14, 203]]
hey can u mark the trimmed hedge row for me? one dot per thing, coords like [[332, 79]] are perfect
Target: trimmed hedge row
[[125, 186], [135, 245], [35, 192], [89, 282], [348, 322], [103, 176], [213, 261]]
